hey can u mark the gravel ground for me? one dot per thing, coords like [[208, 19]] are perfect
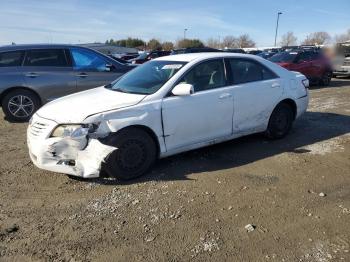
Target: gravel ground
[[294, 193]]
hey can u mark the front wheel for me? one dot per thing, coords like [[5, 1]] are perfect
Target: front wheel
[[19, 105], [135, 154], [326, 79], [281, 121]]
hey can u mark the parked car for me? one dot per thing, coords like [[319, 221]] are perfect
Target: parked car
[[127, 57], [163, 107], [254, 52], [267, 53], [194, 50], [234, 50], [149, 56], [313, 64], [341, 62], [32, 75], [119, 60]]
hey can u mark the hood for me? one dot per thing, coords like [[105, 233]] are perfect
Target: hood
[[75, 108]]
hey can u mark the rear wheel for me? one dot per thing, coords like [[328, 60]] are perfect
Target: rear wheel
[[281, 121], [135, 154], [326, 79], [19, 105]]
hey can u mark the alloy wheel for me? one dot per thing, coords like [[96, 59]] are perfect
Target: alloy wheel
[[21, 106]]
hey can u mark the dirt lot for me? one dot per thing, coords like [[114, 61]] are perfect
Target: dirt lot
[[194, 206]]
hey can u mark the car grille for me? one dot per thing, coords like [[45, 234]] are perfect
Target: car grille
[[40, 128]]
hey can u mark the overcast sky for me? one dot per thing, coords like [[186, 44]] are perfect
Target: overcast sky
[[81, 21]]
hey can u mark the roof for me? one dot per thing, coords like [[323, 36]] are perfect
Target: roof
[[33, 46], [197, 56]]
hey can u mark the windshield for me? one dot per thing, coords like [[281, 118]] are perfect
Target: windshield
[[147, 78], [284, 57]]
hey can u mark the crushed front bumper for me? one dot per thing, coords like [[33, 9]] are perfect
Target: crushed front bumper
[[79, 157]]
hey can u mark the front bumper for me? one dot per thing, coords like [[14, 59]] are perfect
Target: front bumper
[[79, 157], [342, 71]]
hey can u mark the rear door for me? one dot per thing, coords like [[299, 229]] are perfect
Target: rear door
[[256, 90], [11, 71], [48, 72], [93, 70]]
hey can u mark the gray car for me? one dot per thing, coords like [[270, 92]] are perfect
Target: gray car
[[32, 75]]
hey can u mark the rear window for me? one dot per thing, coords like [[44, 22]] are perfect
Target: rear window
[[46, 57], [245, 71], [284, 57], [13, 58]]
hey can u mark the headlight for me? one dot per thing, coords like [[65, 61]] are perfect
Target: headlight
[[74, 130]]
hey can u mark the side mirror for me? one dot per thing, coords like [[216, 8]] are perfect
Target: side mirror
[[109, 67], [183, 90]]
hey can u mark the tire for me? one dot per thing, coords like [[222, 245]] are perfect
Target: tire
[[19, 105], [135, 154], [326, 78], [281, 121]]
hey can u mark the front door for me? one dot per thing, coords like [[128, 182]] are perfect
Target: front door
[[204, 115], [91, 70]]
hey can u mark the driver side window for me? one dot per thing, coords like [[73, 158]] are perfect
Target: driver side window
[[87, 60], [205, 76]]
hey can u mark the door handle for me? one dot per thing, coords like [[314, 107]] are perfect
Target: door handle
[[224, 96], [274, 85], [82, 74], [32, 75]]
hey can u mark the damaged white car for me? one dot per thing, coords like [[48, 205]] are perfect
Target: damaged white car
[[166, 106]]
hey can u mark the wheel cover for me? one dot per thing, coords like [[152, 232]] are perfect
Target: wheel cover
[[20, 106], [132, 155]]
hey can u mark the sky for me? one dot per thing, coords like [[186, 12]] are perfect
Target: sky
[[86, 21]]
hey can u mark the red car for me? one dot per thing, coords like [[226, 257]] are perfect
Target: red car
[[313, 64]]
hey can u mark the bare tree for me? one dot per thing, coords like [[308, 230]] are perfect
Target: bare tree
[[245, 41], [213, 43], [289, 39], [343, 37], [167, 46], [189, 43], [317, 38], [230, 42], [154, 44]]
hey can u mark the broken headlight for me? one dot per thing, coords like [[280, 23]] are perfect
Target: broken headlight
[[74, 131]]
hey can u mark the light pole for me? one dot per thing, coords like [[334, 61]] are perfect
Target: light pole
[[278, 18], [185, 30]]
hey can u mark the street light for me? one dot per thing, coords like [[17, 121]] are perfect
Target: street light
[[185, 30], [278, 18]]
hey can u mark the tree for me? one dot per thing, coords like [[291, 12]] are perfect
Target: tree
[[167, 46], [188, 43], [154, 44], [343, 37], [244, 41], [129, 42], [213, 43], [230, 42], [317, 38], [289, 39]]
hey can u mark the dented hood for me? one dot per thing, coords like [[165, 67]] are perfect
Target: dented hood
[[75, 108]]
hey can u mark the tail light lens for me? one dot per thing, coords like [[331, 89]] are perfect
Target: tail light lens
[[305, 83]]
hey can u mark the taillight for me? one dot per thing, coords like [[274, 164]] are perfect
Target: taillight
[[305, 83]]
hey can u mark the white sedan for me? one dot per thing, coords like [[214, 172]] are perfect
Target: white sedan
[[166, 106]]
